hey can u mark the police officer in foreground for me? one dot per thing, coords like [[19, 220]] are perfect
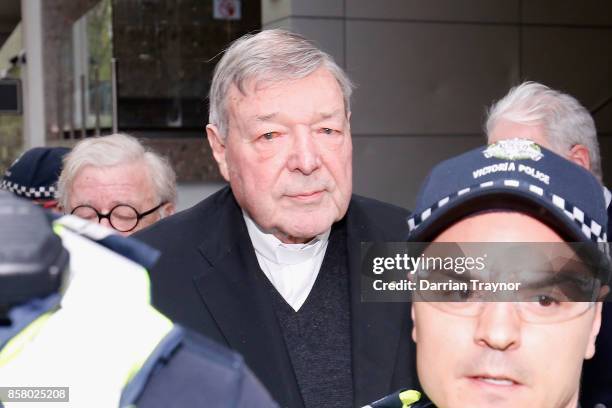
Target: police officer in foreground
[[75, 312], [475, 349]]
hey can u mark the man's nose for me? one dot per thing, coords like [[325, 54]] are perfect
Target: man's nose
[[499, 326], [105, 222], [304, 152]]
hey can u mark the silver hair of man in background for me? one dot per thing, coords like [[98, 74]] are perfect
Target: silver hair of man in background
[[565, 121], [271, 55], [114, 150]]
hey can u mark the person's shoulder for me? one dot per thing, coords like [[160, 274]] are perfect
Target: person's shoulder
[[202, 370], [187, 224], [197, 346]]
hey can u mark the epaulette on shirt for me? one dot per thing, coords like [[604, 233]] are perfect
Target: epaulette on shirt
[[403, 399]]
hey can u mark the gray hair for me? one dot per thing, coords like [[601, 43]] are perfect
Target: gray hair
[[114, 150], [271, 55], [565, 121]]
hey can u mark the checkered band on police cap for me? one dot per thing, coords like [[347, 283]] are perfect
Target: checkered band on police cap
[[35, 173], [42, 192]]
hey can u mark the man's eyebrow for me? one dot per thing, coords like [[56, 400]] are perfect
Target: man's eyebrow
[[451, 274], [266, 118], [329, 115], [111, 205], [556, 279], [320, 116]]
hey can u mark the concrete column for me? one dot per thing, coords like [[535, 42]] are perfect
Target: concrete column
[[322, 21], [33, 85]]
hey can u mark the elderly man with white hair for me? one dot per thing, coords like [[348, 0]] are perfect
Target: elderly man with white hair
[[270, 265], [116, 181]]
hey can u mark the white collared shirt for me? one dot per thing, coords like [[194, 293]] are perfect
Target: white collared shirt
[[291, 268]]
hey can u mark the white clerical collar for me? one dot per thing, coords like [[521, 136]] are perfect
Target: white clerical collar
[[274, 250]]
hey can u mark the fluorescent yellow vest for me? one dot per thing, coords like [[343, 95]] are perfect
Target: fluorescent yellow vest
[[98, 339]]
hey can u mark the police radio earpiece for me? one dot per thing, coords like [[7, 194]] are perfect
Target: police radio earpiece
[[32, 258]]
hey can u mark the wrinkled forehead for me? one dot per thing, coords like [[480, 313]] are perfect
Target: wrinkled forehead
[[256, 81], [132, 178], [259, 81], [263, 100]]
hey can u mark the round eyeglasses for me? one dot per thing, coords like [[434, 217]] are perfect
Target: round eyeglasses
[[122, 217]]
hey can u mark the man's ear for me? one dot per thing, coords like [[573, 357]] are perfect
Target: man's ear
[[168, 209], [604, 291], [217, 144], [348, 120], [579, 154], [590, 350]]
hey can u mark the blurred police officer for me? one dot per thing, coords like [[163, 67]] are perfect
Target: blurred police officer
[[75, 312]]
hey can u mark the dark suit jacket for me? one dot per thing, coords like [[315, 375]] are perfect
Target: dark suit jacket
[[208, 279]]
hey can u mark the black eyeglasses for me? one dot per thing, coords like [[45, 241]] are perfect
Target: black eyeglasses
[[122, 217]]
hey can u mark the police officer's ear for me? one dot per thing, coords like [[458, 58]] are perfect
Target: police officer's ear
[[590, 350], [217, 144], [579, 154]]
